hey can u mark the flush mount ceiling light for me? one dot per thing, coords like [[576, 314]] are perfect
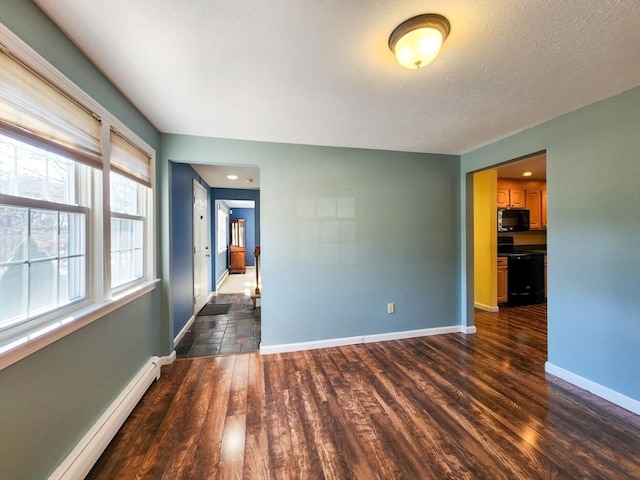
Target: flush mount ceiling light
[[417, 41], [232, 177], [527, 174]]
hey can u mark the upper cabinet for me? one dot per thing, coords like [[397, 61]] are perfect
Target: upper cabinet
[[533, 202], [510, 197], [531, 195]]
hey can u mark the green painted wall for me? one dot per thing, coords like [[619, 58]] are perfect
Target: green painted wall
[[593, 240], [344, 232], [49, 399]]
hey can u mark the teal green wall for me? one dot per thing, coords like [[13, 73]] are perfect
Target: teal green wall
[[51, 398], [405, 241], [411, 229], [593, 184]]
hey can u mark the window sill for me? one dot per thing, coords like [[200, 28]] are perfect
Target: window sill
[[14, 349]]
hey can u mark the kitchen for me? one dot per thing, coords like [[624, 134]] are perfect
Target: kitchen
[[510, 234]]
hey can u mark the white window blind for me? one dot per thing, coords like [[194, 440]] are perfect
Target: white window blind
[[129, 160], [35, 111]]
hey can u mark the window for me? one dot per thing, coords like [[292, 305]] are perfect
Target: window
[[61, 157], [127, 230], [222, 229], [43, 232]]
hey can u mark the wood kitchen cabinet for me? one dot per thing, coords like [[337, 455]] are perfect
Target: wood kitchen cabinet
[[502, 280], [510, 198], [533, 202], [536, 202], [529, 194]]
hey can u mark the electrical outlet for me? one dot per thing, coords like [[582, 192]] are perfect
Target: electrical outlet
[[391, 308]]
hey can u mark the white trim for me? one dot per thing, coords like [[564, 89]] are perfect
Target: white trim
[[88, 450], [166, 360], [14, 349], [378, 337], [184, 330], [189, 323], [222, 279], [486, 308], [600, 390], [469, 330]]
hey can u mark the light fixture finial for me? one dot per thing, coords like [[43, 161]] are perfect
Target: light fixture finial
[[417, 41]]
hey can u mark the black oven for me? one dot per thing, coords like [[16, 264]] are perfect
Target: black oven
[[513, 219]]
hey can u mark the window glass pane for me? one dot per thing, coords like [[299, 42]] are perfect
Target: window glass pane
[[72, 284], [43, 286], [126, 272], [31, 172], [51, 247], [13, 233], [138, 265], [72, 234], [124, 195], [115, 269], [13, 294], [44, 234], [127, 250], [125, 234]]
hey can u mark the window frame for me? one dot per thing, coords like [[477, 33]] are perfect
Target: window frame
[[30, 203], [222, 230], [144, 195], [23, 339]]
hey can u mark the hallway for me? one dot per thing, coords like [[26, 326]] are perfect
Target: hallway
[[236, 329]]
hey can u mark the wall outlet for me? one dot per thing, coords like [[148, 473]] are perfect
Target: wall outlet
[[391, 308]]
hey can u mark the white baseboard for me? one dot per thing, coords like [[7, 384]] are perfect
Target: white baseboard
[[379, 337], [88, 450], [222, 279], [187, 325], [184, 330], [468, 330], [600, 390], [486, 308]]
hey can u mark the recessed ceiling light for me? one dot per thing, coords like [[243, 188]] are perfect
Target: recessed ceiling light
[[232, 177], [526, 174]]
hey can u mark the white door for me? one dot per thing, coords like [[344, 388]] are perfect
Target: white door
[[201, 251]]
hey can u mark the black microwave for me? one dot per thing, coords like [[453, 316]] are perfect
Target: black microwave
[[513, 219]]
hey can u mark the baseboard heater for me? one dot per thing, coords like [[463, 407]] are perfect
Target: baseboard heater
[[87, 452]]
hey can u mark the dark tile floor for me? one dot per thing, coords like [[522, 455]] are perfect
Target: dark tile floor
[[235, 332]]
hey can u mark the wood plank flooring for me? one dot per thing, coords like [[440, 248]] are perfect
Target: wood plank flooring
[[443, 407]]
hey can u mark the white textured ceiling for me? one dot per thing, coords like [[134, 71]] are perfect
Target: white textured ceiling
[[319, 72]]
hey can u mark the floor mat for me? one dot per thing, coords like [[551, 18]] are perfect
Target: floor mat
[[215, 309]]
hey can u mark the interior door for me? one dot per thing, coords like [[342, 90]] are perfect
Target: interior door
[[201, 251]]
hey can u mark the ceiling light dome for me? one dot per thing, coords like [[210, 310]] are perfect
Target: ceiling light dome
[[417, 41]]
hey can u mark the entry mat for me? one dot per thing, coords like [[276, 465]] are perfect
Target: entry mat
[[215, 309]]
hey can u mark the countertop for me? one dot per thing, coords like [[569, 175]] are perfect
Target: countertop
[[541, 248]]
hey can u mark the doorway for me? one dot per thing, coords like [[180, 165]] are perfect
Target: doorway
[[224, 321], [519, 184]]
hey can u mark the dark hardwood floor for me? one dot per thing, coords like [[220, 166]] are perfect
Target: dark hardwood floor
[[443, 407]]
